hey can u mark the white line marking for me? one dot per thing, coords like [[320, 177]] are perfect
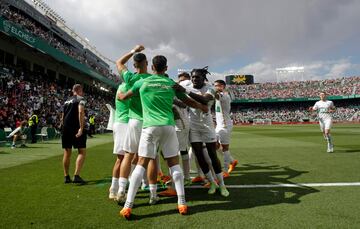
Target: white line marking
[[285, 185]]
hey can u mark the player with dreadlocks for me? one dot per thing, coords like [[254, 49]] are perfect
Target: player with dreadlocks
[[202, 128]]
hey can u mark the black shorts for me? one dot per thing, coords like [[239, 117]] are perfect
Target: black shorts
[[69, 140]]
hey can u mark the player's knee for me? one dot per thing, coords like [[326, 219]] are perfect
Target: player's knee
[[177, 175], [143, 161], [82, 151]]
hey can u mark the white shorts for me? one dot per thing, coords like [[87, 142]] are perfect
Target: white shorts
[[132, 137], [119, 133], [182, 132], [325, 124], [162, 137], [206, 135], [223, 135]]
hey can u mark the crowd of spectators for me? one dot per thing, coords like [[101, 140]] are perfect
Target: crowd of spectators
[[297, 89], [33, 27], [23, 93], [293, 114]]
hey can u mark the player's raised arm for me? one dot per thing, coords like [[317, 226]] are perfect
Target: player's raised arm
[[121, 63]]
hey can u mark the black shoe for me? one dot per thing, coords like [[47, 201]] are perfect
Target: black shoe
[[78, 180], [67, 179]]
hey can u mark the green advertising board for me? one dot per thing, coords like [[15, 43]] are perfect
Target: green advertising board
[[13, 30]]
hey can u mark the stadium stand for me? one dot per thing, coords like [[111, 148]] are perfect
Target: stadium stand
[[289, 101], [22, 93], [292, 114], [297, 89], [73, 50]]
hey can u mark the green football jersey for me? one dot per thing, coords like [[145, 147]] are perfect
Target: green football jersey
[[157, 96], [122, 106], [135, 108]]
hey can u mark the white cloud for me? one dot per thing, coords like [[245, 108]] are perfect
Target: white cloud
[[214, 33], [266, 72]]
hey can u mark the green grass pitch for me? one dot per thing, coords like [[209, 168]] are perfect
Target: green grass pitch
[[32, 193]]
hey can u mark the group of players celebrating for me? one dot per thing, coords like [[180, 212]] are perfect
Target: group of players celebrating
[[157, 116]]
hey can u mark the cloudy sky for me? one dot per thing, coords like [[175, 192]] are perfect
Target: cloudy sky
[[230, 36]]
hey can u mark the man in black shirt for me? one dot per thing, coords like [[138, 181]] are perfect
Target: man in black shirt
[[73, 121]]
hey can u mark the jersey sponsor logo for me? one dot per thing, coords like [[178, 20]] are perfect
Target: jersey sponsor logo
[[158, 85], [70, 101]]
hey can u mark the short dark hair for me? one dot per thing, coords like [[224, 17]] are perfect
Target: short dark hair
[[202, 71], [220, 82], [184, 74], [139, 57], [159, 62]]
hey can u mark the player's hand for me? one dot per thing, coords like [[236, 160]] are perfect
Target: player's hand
[[310, 108], [139, 48], [179, 88], [204, 108], [79, 133]]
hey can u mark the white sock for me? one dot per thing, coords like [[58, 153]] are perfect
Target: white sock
[[114, 184], [227, 157], [178, 178], [135, 182], [122, 184], [329, 139], [210, 177], [227, 160], [144, 180], [153, 188], [220, 178]]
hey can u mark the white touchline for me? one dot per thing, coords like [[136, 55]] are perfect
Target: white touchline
[[285, 185]]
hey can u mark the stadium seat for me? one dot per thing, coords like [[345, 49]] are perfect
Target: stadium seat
[[43, 134]]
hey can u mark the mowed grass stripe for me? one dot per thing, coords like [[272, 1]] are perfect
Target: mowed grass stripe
[[33, 195], [41, 150]]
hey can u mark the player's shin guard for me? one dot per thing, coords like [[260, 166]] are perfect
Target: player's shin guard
[[144, 180], [178, 179], [227, 160], [135, 182], [329, 139], [186, 165]]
